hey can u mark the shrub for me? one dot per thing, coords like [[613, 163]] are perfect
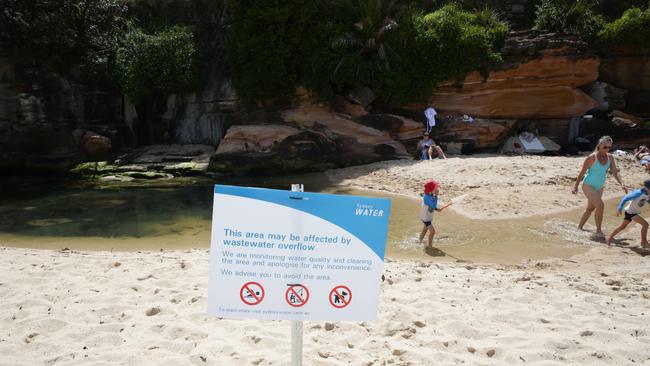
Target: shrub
[[431, 48], [577, 17], [401, 53], [154, 64], [60, 32], [276, 45], [365, 52], [631, 29]]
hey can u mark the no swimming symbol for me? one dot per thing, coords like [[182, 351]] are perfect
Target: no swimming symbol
[[297, 295], [252, 293], [340, 297]]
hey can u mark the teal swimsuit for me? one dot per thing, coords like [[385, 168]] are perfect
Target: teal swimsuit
[[596, 174]]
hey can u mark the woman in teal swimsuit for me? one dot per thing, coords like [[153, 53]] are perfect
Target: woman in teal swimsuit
[[596, 166]]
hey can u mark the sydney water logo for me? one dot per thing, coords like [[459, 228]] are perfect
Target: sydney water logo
[[368, 210]]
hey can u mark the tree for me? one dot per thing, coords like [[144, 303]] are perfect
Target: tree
[[149, 67], [364, 43], [277, 45], [61, 32]]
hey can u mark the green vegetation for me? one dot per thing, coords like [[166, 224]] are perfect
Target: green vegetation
[[577, 17], [158, 64], [149, 67], [431, 48], [400, 53], [61, 33], [365, 54], [631, 29], [399, 49], [276, 45]]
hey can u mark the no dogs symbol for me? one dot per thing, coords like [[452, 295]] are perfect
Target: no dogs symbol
[[252, 293], [296, 295], [340, 296]]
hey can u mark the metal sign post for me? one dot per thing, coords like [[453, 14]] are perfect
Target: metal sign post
[[296, 325]]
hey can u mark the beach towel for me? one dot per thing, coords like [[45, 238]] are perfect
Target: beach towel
[[531, 142]]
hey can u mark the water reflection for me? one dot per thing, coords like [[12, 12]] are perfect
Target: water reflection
[[137, 218], [107, 213]]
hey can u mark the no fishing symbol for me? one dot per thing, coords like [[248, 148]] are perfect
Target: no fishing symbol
[[340, 296], [296, 295], [252, 293]]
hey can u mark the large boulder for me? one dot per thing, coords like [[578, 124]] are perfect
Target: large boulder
[[269, 149], [481, 133], [356, 143], [306, 138], [539, 79], [361, 95]]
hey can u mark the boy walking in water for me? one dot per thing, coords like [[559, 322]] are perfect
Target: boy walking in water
[[429, 204], [633, 203]]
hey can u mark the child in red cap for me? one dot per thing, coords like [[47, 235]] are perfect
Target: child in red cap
[[429, 204]]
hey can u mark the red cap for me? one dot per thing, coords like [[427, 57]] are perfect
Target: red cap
[[430, 186]]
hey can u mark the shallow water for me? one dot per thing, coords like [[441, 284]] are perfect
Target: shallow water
[[167, 218]]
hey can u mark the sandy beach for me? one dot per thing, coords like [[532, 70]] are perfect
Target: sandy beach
[[101, 308], [63, 307], [492, 187]]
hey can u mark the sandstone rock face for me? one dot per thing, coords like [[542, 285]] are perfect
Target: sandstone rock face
[[539, 79], [483, 134], [480, 134], [356, 143], [607, 96], [40, 110], [538, 102], [631, 72], [403, 129], [269, 149], [308, 138]]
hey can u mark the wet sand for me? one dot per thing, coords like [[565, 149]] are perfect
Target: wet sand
[[459, 237], [493, 187]]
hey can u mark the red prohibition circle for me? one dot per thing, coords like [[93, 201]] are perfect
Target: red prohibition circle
[[291, 290], [335, 292], [257, 298]]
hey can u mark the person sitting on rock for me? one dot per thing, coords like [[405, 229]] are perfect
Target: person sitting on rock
[[424, 146], [435, 152], [642, 155], [428, 148]]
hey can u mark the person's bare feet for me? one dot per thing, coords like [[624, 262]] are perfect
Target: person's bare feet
[[609, 239], [645, 245]]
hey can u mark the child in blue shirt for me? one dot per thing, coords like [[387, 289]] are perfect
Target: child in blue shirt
[[633, 202], [429, 205]]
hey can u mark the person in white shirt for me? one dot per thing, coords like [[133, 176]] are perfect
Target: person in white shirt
[[633, 202], [430, 113]]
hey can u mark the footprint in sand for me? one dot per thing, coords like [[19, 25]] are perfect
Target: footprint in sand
[[569, 232]]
